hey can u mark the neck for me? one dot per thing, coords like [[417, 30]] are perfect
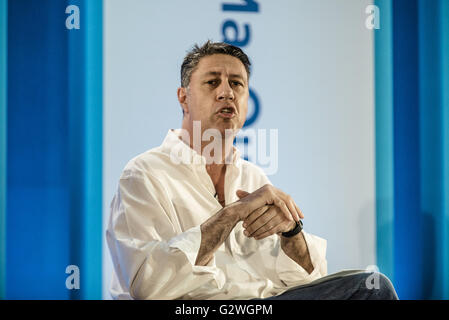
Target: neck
[[217, 149]]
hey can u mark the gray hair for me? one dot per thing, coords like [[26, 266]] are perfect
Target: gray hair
[[193, 57]]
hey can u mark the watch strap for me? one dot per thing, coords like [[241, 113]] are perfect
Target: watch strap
[[297, 229]]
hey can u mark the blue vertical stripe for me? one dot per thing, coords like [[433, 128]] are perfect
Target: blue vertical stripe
[[37, 183], [384, 140], [76, 111], [444, 63], [432, 146], [408, 245], [420, 141], [3, 139], [54, 150], [93, 223], [86, 117]]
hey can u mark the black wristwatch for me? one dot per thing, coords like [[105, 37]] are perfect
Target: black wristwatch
[[293, 232]]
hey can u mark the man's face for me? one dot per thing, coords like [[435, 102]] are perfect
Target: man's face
[[217, 94]]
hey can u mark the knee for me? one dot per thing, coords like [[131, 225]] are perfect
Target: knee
[[381, 286]]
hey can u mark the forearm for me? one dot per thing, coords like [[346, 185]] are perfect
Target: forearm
[[296, 249], [214, 231]]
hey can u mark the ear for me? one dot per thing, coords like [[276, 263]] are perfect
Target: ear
[[182, 97]]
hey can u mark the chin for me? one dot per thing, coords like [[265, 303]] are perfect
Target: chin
[[223, 129]]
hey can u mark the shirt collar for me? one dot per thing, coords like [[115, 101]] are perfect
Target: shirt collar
[[180, 152]]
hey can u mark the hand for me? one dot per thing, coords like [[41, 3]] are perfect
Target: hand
[[264, 224], [269, 195], [269, 219]]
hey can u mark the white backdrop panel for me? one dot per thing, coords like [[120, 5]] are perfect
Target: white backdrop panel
[[313, 73]]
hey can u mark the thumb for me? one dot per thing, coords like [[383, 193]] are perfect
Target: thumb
[[241, 194]]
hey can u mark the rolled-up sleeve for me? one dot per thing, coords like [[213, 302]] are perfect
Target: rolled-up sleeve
[[292, 274], [152, 258]]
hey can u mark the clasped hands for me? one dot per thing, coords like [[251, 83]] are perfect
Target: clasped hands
[[267, 211]]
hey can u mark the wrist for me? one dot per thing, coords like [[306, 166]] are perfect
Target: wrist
[[231, 214], [294, 231], [291, 226]]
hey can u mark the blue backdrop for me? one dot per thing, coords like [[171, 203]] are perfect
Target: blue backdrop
[[54, 154], [412, 146]]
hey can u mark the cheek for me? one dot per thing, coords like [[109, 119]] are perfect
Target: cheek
[[200, 102], [244, 112], [244, 108], [194, 105]]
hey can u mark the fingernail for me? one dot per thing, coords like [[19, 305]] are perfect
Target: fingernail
[[244, 225], [245, 233]]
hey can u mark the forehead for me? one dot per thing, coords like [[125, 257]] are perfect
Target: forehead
[[221, 63]]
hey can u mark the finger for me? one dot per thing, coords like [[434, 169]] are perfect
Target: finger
[[276, 229], [281, 205], [292, 208], [300, 212], [255, 215], [260, 222], [272, 223], [241, 194], [257, 199]]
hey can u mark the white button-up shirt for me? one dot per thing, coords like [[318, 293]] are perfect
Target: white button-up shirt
[[154, 233]]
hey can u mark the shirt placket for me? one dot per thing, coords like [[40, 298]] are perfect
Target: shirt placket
[[230, 184], [205, 182]]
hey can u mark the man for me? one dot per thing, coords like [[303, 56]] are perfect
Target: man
[[191, 221]]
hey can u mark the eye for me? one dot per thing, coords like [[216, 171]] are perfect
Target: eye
[[237, 83], [212, 82]]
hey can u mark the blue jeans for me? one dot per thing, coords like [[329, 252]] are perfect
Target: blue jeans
[[352, 285]]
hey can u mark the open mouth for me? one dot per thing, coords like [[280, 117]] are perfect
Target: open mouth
[[227, 112]]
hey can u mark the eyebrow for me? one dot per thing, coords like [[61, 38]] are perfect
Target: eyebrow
[[217, 73]]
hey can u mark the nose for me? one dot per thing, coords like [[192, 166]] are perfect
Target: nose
[[225, 92]]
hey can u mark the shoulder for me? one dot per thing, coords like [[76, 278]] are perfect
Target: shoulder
[[146, 164]]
